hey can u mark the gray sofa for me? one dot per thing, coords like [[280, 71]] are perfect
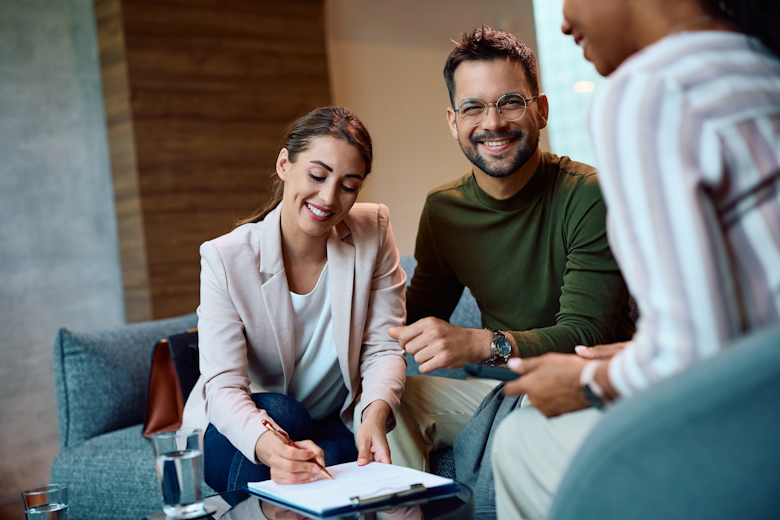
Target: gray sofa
[[703, 444], [101, 381]]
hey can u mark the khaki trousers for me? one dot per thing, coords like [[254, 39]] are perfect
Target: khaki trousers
[[530, 455], [433, 411]]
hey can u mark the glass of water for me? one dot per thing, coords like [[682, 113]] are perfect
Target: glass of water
[[49, 502], [179, 458]]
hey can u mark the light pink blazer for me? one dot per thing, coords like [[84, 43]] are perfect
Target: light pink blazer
[[245, 321]]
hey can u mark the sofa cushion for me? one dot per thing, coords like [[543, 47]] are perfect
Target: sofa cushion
[[102, 377], [111, 477]]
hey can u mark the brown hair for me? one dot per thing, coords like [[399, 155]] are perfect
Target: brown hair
[[488, 44], [337, 122]]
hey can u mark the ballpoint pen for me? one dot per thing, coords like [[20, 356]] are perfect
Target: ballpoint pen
[[284, 438]]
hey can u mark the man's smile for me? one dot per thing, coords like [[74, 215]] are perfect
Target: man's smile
[[496, 143]]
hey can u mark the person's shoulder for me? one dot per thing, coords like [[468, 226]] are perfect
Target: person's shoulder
[[691, 59], [242, 237], [367, 212], [451, 189], [366, 217], [570, 171], [572, 177]]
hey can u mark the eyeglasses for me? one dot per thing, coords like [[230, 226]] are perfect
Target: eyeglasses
[[511, 107]]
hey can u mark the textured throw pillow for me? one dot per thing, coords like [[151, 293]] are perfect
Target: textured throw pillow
[[102, 376]]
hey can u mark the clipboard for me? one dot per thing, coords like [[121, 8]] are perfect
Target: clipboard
[[356, 489]]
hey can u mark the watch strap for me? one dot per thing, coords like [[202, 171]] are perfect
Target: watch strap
[[594, 400], [592, 390]]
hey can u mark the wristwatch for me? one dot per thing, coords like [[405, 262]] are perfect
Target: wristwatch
[[500, 349], [592, 390]]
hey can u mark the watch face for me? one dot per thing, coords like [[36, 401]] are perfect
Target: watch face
[[503, 347]]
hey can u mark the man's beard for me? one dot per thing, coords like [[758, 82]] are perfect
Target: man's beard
[[508, 166]]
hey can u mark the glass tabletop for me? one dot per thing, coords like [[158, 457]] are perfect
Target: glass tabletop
[[240, 505]]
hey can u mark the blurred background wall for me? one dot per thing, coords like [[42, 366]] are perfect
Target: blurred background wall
[[133, 130], [59, 261], [386, 62]]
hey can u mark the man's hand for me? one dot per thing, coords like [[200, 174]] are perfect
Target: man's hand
[[600, 351], [371, 436], [434, 343], [289, 465], [551, 382]]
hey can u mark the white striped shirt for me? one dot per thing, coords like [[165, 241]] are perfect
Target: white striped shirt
[[687, 140]]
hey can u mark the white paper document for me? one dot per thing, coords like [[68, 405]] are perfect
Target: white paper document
[[351, 485]]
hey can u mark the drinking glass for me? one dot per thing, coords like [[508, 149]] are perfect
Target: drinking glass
[[49, 502], [179, 459]]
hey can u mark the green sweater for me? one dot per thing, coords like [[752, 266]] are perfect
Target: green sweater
[[538, 263]]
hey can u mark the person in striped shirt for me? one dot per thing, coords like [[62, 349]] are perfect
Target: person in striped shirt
[[686, 134]]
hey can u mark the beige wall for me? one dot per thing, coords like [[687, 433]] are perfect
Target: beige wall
[[386, 60]]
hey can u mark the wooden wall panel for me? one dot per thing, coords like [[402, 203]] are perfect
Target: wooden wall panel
[[119, 122], [212, 85]]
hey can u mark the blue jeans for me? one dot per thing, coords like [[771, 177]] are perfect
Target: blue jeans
[[226, 468]]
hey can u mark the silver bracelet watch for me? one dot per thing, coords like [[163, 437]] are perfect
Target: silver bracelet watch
[[500, 349]]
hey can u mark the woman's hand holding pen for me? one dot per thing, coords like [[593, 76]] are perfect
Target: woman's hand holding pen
[[290, 464]]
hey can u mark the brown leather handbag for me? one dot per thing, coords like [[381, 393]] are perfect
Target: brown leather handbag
[[173, 374]]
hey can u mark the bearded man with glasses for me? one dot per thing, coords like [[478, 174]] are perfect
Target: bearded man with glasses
[[525, 232]]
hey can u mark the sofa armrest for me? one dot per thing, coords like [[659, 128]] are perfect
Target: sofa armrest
[[101, 377], [702, 444]]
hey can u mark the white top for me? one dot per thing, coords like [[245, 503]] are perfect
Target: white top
[[317, 382], [246, 322], [687, 140]]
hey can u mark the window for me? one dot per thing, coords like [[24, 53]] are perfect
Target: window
[[569, 82]]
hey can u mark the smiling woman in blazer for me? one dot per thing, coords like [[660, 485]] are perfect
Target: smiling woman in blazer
[[293, 318]]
